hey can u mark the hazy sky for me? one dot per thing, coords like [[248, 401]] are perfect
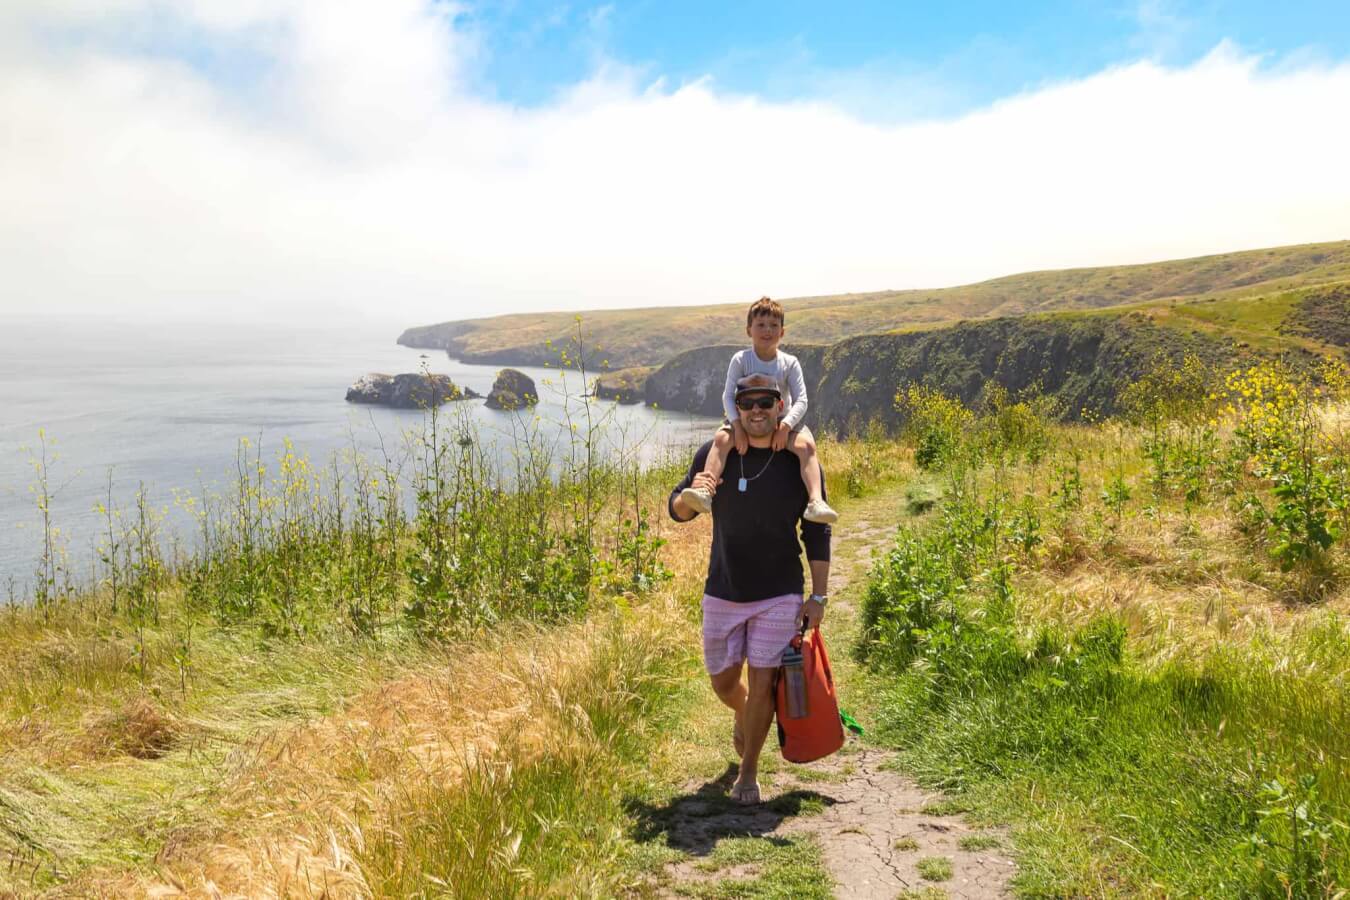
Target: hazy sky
[[421, 161]]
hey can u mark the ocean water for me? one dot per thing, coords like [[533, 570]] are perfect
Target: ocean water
[[167, 406]]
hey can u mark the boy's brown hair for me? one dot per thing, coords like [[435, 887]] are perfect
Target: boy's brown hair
[[765, 307]]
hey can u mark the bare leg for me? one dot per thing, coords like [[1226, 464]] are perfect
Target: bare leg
[[803, 443], [759, 708], [717, 453], [730, 689], [804, 446], [699, 499]]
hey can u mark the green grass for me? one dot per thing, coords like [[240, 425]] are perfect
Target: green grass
[[783, 869], [176, 703], [976, 842], [934, 868], [1051, 661], [1140, 694]]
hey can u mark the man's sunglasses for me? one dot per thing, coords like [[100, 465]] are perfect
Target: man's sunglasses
[[748, 403]]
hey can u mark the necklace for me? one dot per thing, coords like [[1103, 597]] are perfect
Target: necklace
[[744, 483]]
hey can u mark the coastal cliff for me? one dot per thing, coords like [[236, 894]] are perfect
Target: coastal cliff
[[1083, 358], [648, 336], [692, 381], [1082, 361]]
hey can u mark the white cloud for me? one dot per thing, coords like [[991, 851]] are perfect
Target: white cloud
[[1162, 29], [360, 175]]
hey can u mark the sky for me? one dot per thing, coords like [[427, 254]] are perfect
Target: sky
[[419, 160]]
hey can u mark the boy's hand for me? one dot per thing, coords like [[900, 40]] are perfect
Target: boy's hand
[[740, 437], [780, 436]]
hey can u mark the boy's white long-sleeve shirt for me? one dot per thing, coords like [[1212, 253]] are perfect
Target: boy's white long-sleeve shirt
[[783, 368]]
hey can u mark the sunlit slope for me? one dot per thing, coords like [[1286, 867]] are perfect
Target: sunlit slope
[[651, 336]]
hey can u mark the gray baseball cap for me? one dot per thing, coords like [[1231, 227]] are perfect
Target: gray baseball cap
[[758, 384]]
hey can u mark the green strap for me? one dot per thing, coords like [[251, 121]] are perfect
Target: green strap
[[850, 722]]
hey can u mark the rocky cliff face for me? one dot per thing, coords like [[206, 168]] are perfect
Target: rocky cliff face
[[412, 390], [693, 380], [1083, 362], [513, 389]]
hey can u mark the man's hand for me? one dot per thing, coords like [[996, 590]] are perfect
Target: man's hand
[[706, 481], [740, 437], [813, 611], [780, 437]]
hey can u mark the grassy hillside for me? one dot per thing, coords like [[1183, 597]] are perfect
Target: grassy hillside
[[1080, 359], [1130, 642], [1127, 643], [650, 336]]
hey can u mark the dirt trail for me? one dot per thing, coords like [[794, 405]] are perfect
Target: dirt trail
[[875, 826]]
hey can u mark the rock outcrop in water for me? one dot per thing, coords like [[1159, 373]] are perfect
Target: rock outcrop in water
[[412, 390], [623, 385], [513, 389]]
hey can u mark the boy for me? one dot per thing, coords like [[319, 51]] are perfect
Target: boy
[[764, 324]]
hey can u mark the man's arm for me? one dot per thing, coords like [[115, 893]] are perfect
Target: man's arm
[[816, 539], [812, 613]]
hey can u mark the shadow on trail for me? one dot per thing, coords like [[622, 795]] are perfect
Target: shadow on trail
[[696, 821]]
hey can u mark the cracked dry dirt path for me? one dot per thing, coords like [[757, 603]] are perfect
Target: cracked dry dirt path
[[875, 827]]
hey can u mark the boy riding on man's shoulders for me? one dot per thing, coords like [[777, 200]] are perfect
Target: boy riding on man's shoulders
[[765, 326]]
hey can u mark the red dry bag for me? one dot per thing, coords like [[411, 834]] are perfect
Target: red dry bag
[[820, 732]]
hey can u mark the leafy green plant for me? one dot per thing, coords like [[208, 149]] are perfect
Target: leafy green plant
[[1024, 526], [1068, 489], [51, 577], [934, 423], [1279, 425], [1293, 840]]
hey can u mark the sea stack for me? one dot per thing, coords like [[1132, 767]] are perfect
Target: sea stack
[[512, 390], [412, 390]]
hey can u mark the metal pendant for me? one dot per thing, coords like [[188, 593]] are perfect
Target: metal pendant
[[742, 485]]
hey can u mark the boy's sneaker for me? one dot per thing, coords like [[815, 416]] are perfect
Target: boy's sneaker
[[820, 511], [697, 499]]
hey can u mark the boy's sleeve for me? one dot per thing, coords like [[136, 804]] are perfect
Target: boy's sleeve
[[797, 387], [735, 373]]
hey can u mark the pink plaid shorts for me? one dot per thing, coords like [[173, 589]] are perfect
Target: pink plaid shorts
[[758, 631]]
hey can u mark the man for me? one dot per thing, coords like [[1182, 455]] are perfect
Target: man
[[752, 603]]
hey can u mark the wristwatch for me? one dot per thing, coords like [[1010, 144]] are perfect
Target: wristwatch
[[822, 599]]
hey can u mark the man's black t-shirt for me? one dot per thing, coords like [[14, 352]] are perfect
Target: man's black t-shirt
[[755, 553]]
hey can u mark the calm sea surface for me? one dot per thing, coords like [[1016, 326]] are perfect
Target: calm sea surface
[[168, 405]]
